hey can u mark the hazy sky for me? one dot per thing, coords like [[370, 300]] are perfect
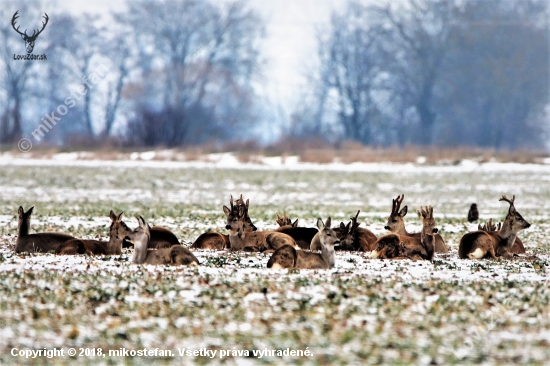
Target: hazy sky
[[290, 46]]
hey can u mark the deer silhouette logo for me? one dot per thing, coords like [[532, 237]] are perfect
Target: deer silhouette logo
[[29, 40]]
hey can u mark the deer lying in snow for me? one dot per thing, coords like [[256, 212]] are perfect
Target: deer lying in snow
[[396, 246], [217, 241], [288, 256], [176, 255], [301, 235], [117, 232], [252, 241], [351, 236], [39, 242], [161, 237], [396, 224], [491, 244], [517, 247]]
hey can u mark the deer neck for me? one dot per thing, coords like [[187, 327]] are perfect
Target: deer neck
[[507, 235], [23, 229], [236, 238], [140, 250], [328, 255], [114, 246], [401, 230]]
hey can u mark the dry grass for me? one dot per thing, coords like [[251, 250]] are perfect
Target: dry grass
[[310, 151]]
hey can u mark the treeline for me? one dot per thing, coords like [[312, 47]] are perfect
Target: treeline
[[180, 73]]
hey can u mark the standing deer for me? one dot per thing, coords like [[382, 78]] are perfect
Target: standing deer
[[39, 242], [117, 232], [217, 241], [396, 224], [176, 255], [396, 246], [29, 40], [288, 257], [491, 244]]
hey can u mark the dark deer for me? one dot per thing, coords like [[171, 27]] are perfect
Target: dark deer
[[39, 242], [351, 236], [301, 235], [396, 224], [288, 257], [117, 232], [176, 255], [216, 241], [29, 40], [396, 246], [492, 244]]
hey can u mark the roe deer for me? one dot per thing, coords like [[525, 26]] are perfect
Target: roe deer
[[473, 213], [117, 232], [285, 221], [252, 241], [517, 247], [395, 246], [176, 255], [491, 244], [161, 237], [217, 241], [288, 257], [301, 235], [396, 224], [351, 236], [39, 242]]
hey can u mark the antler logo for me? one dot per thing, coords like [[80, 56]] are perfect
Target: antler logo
[[29, 40]]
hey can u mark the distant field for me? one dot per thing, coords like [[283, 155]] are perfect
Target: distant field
[[449, 311]]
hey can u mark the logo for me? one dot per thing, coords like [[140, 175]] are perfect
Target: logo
[[29, 40]]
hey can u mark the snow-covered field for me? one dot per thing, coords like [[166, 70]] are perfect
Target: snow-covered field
[[363, 311]]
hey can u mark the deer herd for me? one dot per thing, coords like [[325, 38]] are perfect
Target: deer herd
[[290, 245]]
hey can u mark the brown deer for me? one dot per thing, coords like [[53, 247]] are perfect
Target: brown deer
[[117, 232], [161, 237], [288, 257], [396, 224], [217, 241], [396, 246], [351, 236], [301, 235], [252, 241], [39, 242], [285, 221], [492, 244], [517, 247], [176, 255]]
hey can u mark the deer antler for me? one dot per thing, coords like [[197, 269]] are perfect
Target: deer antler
[[13, 20], [396, 204], [426, 212], [511, 202], [354, 223], [43, 25]]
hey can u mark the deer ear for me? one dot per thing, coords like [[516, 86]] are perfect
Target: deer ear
[[320, 224], [328, 223], [112, 216], [21, 211], [512, 210], [226, 210], [342, 227], [295, 223], [119, 217], [403, 211]]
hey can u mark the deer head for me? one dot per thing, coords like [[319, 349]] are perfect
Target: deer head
[[429, 224], [29, 40], [514, 221], [238, 212], [395, 223]]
